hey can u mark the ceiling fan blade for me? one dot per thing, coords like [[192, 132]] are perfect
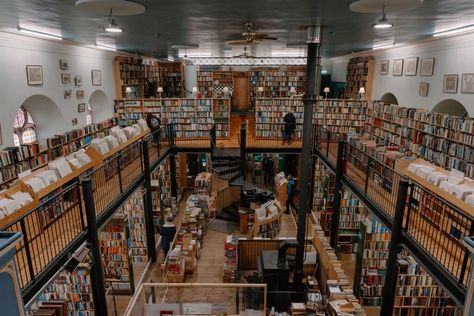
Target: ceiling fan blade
[[266, 37], [237, 42]]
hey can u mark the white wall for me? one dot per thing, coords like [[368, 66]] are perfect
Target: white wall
[[17, 51], [453, 55], [190, 79]]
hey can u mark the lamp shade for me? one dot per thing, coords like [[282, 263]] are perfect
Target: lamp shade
[[260, 89], [225, 90], [326, 90], [159, 90], [128, 90], [362, 90], [293, 90], [195, 89]]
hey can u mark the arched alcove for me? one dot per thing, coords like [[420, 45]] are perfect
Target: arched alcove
[[389, 98], [48, 118], [451, 107], [100, 105]]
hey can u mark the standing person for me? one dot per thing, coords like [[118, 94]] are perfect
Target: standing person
[[167, 232], [290, 125], [291, 194], [154, 124], [268, 169]]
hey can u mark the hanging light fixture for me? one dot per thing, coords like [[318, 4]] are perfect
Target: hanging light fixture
[[383, 22], [113, 27]]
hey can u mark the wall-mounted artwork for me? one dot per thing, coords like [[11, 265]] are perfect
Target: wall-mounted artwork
[[63, 64], [96, 77], [411, 66], [467, 83], [80, 94], [384, 67], [397, 67], [34, 75], [74, 121], [67, 94], [81, 107], [78, 80], [427, 66], [66, 78], [450, 84], [423, 91]]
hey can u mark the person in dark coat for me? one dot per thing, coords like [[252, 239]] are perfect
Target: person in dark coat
[[268, 167], [154, 124], [167, 232], [291, 194], [290, 126]]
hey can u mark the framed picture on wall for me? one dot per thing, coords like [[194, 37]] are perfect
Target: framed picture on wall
[[411, 66], [1, 140], [423, 91], [450, 84], [34, 75], [66, 78], [96, 77], [427, 66], [384, 67], [397, 67], [67, 94], [467, 83], [81, 107], [63, 64], [80, 94], [74, 121], [78, 80]]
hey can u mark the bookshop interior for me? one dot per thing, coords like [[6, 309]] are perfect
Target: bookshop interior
[[237, 158]]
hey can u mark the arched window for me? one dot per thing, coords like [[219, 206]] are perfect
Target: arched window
[[24, 128], [89, 115]]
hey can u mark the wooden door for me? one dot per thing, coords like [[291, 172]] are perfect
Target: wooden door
[[241, 98]]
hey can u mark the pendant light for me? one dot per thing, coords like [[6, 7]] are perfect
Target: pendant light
[[113, 27], [383, 22]]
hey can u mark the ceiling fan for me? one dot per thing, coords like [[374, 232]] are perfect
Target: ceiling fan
[[245, 54], [250, 37]]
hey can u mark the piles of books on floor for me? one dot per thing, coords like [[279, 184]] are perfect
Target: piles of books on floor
[[341, 299], [230, 259], [176, 266]]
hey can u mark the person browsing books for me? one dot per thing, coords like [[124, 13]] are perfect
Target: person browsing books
[[167, 232], [154, 124], [290, 125], [291, 194]]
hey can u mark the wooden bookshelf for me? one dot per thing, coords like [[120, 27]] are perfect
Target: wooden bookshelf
[[205, 83], [220, 80], [269, 113], [342, 116], [134, 210], [360, 73], [349, 224], [172, 76], [129, 72], [418, 294]]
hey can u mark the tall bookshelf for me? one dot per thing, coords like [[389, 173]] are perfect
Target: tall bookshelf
[[113, 242], [326, 210], [444, 140], [205, 83], [129, 72], [342, 116], [74, 288], [276, 82], [157, 195], [222, 79], [360, 73], [371, 261], [418, 294], [221, 114], [269, 113], [171, 75], [134, 210], [349, 224]]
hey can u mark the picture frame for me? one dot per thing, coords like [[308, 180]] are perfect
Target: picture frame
[[96, 77], [426, 67], [74, 121], [63, 64], [1, 139], [467, 83], [67, 94], [411, 66], [80, 94], [397, 69], [384, 67], [66, 78], [423, 90], [78, 80], [450, 84], [81, 107], [34, 75]]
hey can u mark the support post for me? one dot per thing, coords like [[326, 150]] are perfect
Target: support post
[[313, 78], [213, 140], [337, 194], [97, 275], [173, 179], [388, 294], [149, 221], [243, 148]]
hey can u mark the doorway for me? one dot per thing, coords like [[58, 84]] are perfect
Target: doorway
[[240, 102]]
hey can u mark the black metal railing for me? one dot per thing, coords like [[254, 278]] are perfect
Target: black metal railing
[[274, 135]]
